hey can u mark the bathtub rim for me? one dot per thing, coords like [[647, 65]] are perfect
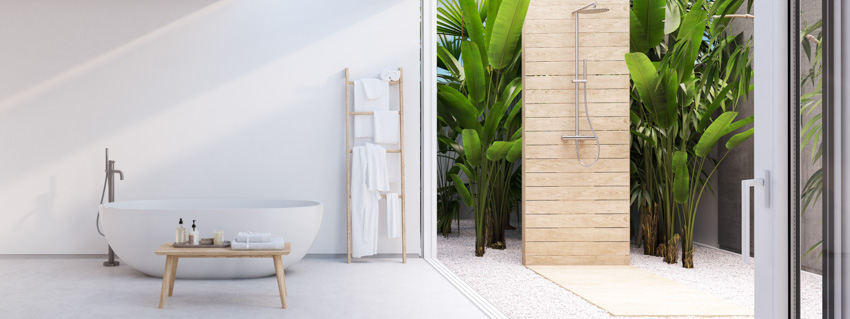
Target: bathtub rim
[[150, 204]]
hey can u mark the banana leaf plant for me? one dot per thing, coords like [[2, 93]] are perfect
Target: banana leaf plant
[[480, 98], [685, 103]]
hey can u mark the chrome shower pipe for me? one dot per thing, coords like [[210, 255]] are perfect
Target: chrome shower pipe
[[578, 80]]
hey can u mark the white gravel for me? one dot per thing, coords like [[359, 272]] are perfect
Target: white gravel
[[518, 292]]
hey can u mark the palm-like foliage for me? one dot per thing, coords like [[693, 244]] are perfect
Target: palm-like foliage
[[687, 85], [478, 105]]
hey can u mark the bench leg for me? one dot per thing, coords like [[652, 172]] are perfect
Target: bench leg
[[281, 280], [166, 280], [173, 275]]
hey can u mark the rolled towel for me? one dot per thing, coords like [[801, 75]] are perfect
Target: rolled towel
[[395, 75], [274, 244], [386, 75], [243, 237]]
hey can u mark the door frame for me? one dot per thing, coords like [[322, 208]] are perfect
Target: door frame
[[772, 98], [428, 126]]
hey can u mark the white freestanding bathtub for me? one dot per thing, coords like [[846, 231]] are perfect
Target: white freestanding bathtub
[[135, 229]]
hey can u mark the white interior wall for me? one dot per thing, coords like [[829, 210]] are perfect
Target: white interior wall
[[195, 99]]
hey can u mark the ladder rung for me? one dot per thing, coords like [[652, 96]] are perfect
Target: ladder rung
[[388, 151], [391, 82], [367, 113]]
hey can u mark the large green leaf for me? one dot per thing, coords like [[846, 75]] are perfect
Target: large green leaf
[[713, 133], [672, 16], [637, 35], [472, 147], [459, 106], [492, 9], [469, 173], [510, 92], [472, 21], [648, 84], [499, 150], [668, 114], [650, 14], [451, 63], [681, 179], [507, 29], [462, 190], [514, 112], [516, 151], [737, 124], [739, 138], [689, 39], [476, 76], [491, 123]]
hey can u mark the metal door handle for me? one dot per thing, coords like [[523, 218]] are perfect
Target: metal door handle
[[764, 182]]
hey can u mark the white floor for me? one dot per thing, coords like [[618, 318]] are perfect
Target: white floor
[[319, 287]]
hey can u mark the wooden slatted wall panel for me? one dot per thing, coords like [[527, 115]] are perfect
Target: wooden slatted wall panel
[[575, 215]]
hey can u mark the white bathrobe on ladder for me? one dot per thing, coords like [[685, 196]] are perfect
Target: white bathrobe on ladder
[[368, 179]]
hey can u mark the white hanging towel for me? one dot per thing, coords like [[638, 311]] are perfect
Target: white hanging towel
[[369, 95], [364, 207], [393, 215], [377, 175], [386, 127]]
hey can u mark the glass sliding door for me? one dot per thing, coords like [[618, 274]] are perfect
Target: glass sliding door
[[798, 156]]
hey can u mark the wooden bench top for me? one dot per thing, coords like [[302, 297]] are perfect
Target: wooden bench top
[[169, 250]]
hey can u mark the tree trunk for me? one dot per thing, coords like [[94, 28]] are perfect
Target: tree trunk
[[649, 228], [672, 250], [687, 257], [496, 224]]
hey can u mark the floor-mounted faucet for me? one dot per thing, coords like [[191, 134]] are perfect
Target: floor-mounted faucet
[[110, 185]]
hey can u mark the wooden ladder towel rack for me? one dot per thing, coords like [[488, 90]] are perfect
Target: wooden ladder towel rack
[[400, 151]]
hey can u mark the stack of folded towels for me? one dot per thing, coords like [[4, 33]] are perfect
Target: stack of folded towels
[[256, 241]]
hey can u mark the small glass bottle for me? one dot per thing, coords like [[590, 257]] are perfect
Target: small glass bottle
[[180, 235]]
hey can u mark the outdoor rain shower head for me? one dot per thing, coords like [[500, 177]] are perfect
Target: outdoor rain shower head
[[591, 8]]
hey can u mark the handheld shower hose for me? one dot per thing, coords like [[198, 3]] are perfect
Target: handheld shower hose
[[587, 116], [102, 196]]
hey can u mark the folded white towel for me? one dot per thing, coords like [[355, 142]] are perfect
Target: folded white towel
[[275, 243], [362, 103], [386, 75], [386, 126], [393, 215], [253, 237], [395, 75]]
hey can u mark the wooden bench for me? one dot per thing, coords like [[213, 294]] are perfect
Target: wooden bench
[[172, 255]]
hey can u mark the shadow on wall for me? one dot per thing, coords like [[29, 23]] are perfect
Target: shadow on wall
[[44, 205], [119, 88], [65, 37]]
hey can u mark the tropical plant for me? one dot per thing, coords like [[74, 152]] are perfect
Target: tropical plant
[[686, 102], [479, 98]]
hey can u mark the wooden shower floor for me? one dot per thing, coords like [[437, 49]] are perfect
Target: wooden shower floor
[[631, 291]]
